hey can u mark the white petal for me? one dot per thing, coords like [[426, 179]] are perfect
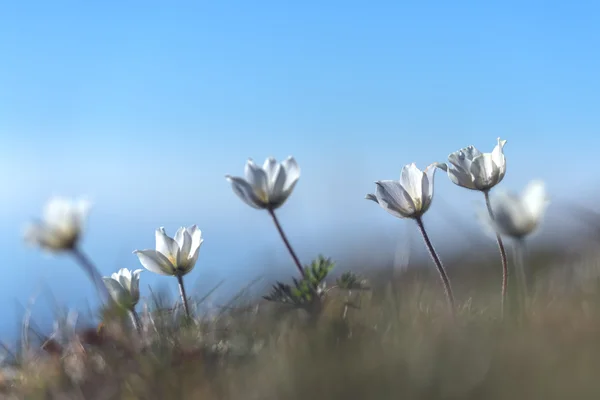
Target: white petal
[[190, 263], [124, 278], [116, 291], [196, 235], [394, 198], [484, 171], [166, 245], [460, 173], [278, 194], [460, 160], [155, 262], [499, 159], [292, 172], [471, 152], [184, 253], [258, 181], [510, 216], [411, 180], [461, 178], [534, 199], [245, 192], [135, 284], [270, 167], [372, 197], [283, 196], [428, 184]]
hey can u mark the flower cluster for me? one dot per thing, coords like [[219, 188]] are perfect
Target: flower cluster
[[268, 187]]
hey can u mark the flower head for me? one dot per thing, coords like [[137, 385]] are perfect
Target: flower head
[[409, 197], [517, 216], [267, 187], [173, 256], [475, 170], [61, 225], [124, 287]]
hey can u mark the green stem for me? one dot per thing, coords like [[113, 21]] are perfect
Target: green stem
[[286, 242], [438, 264], [183, 295], [502, 254], [92, 272]]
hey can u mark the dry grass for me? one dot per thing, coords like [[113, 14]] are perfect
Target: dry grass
[[396, 341]]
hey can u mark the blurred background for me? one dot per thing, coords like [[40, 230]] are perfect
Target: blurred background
[[143, 107]]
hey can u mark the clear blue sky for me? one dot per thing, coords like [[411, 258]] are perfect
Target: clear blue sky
[[145, 106]]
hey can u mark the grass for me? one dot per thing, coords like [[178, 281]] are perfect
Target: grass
[[392, 341]]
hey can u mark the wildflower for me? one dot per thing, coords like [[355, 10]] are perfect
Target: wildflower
[[267, 187], [475, 170], [60, 231], [173, 256], [518, 216], [61, 226], [409, 197], [124, 287]]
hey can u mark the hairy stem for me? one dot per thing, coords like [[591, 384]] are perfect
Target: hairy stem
[[92, 272], [183, 295], [502, 254], [438, 264], [286, 242]]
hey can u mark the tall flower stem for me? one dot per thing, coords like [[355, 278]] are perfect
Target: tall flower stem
[[92, 272], [183, 295], [438, 264], [286, 242], [502, 254]]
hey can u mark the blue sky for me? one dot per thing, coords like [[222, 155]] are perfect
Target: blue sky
[[145, 106]]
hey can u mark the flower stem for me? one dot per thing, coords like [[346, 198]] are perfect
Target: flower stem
[[92, 272], [183, 295], [502, 254], [438, 264], [286, 242]]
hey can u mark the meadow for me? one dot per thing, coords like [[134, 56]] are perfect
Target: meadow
[[517, 322]]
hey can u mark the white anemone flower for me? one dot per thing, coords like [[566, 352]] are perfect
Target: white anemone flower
[[409, 197], [61, 225], [267, 187], [173, 256], [475, 170], [517, 216], [124, 287]]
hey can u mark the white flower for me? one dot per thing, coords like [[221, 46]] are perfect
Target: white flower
[[174, 257], [475, 170], [61, 226], [517, 216], [409, 197], [124, 287], [267, 187]]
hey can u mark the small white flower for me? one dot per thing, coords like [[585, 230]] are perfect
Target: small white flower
[[175, 257], [124, 287], [267, 187], [517, 216], [61, 226], [409, 197], [475, 170]]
